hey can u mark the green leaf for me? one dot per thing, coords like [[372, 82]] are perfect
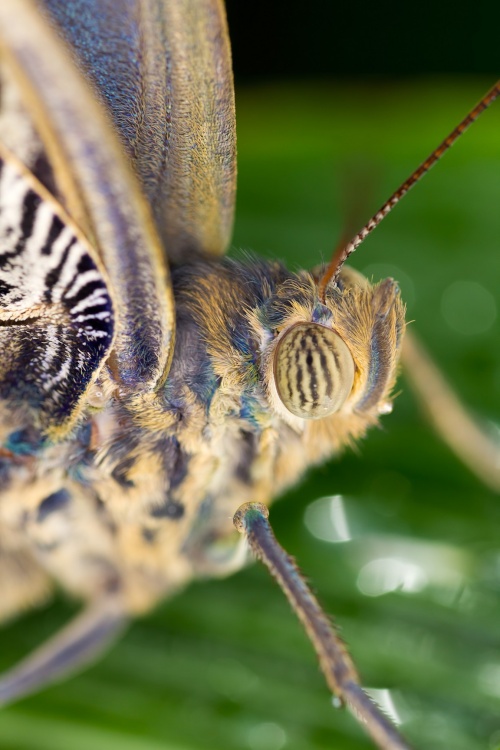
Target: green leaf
[[225, 665]]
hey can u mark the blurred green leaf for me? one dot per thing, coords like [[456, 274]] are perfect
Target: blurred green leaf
[[225, 664]]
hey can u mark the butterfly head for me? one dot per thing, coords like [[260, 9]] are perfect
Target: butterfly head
[[336, 356]]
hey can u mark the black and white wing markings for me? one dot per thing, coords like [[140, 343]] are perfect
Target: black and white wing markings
[[19, 135], [56, 313]]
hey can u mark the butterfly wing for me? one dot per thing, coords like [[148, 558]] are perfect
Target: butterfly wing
[[163, 71], [94, 172], [56, 312], [155, 69]]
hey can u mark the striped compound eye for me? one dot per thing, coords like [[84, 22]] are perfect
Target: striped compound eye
[[313, 370]]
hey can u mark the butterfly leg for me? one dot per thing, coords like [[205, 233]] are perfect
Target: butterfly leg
[[77, 644], [465, 436], [335, 661]]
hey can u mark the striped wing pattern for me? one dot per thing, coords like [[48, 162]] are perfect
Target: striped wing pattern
[[56, 314]]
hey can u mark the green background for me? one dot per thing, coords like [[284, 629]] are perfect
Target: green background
[[225, 665]]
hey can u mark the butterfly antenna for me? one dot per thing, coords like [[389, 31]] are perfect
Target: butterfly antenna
[[335, 662], [343, 251]]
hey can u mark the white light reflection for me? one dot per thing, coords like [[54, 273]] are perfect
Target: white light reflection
[[390, 563], [397, 564], [385, 700], [390, 574], [326, 519]]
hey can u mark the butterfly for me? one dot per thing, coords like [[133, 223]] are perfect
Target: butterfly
[[136, 399]]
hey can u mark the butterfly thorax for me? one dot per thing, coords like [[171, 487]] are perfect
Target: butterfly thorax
[[141, 496]]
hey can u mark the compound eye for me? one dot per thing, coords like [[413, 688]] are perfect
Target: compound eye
[[313, 371]]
